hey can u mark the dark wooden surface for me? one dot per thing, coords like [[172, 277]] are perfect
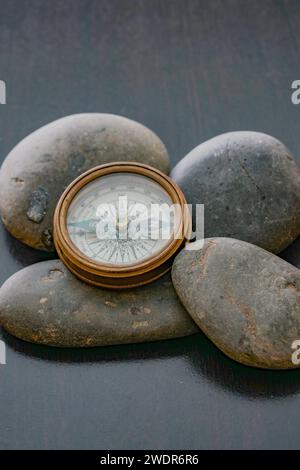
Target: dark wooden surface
[[189, 70]]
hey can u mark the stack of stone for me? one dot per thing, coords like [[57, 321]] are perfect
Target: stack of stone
[[234, 288]]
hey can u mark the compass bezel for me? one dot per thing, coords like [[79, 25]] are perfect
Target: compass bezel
[[117, 275]]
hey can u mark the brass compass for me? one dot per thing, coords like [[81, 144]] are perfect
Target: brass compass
[[120, 225]]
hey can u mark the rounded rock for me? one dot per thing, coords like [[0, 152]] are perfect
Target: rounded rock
[[40, 167], [249, 184], [44, 303], [245, 299]]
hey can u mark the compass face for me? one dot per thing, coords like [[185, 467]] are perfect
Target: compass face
[[121, 219]]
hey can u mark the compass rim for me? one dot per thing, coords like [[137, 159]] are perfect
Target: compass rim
[[67, 250]]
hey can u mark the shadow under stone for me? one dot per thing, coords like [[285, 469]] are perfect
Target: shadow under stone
[[23, 254], [202, 358], [292, 253]]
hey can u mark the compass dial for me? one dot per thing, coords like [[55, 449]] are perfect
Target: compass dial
[[121, 219]]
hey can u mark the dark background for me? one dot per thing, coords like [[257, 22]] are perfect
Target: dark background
[[189, 70]]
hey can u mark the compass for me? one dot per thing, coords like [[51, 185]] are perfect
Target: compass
[[120, 225]]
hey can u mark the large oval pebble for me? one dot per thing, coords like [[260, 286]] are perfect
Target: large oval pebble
[[249, 184], [245, 299], [44, 303], [38, 169]]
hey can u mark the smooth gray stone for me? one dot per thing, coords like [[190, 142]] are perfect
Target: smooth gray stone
[[249, 184], [245, 299], [40, 167], [44, 303]]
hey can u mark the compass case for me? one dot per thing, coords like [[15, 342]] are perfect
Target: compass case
[[119, 276]]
